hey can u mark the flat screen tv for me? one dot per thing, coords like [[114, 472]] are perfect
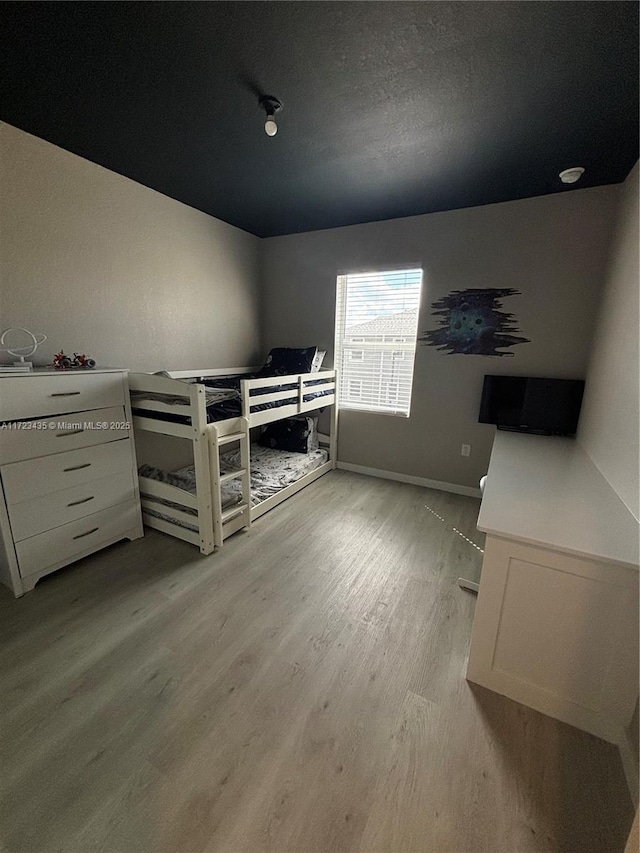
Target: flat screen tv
[[529, 404]]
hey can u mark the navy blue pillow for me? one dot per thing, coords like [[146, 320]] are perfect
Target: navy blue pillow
[[282, 361], [292, 434]]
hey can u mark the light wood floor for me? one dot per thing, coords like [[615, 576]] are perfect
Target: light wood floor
[[301, 690]]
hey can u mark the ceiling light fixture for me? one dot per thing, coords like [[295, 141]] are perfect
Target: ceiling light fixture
[[570, 176], [271, 106]]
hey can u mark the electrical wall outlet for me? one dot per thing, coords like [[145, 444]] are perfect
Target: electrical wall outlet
[[466, 450]]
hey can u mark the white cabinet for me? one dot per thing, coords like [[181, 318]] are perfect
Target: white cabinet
[[556, 622], [67, 470]]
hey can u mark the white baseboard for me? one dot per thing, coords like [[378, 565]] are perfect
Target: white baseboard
[[441, 486], [630, 767]]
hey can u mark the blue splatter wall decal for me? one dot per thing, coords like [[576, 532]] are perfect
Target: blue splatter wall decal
[[472, 323]]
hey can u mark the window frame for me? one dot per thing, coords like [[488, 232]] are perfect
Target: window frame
[[394, 354]]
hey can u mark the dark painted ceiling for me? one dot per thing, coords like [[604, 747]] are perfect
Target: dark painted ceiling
[[390, 108]]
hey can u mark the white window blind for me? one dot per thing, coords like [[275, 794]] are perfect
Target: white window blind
[[376, 329]]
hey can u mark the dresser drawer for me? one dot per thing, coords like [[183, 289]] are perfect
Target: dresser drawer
[[48, 511], [28, 439], [71, 541], [35, 477], [39, 396]]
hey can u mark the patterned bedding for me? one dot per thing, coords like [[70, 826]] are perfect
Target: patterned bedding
[[271, 471], [213, 396], [223, 400]]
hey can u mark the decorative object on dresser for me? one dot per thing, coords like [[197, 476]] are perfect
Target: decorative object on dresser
[[65, 362], [10, 342], [67, 469]]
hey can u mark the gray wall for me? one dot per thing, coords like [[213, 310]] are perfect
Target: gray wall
[[553, 249], [106, 266], [610, 422]]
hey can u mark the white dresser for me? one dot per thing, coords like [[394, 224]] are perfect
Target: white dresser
[[68, 471]]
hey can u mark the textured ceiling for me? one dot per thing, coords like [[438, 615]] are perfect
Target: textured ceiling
[[390, 108]]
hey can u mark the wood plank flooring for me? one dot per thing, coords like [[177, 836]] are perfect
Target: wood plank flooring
[[300, 691]]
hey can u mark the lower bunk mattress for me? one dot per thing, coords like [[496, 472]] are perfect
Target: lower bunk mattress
[[271, 471]]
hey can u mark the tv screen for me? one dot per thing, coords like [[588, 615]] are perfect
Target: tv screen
[[529, 404]]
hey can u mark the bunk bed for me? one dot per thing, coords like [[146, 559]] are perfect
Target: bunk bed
[[218, 412]]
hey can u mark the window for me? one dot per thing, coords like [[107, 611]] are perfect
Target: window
[[355, 389], [376, 329]]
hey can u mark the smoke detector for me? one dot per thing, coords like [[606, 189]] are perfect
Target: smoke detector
[[570, 176]]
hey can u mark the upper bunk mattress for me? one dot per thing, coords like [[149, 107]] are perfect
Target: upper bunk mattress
[[224, 400]]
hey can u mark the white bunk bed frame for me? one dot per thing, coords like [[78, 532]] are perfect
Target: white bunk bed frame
[[215, 524]]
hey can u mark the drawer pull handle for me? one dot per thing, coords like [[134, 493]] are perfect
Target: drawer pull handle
[[71, 432], [65, 394], [80, 535], [77, 467], [82, 501]]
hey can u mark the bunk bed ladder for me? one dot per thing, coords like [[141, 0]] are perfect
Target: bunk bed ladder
[[201, 463], [240, 512]]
